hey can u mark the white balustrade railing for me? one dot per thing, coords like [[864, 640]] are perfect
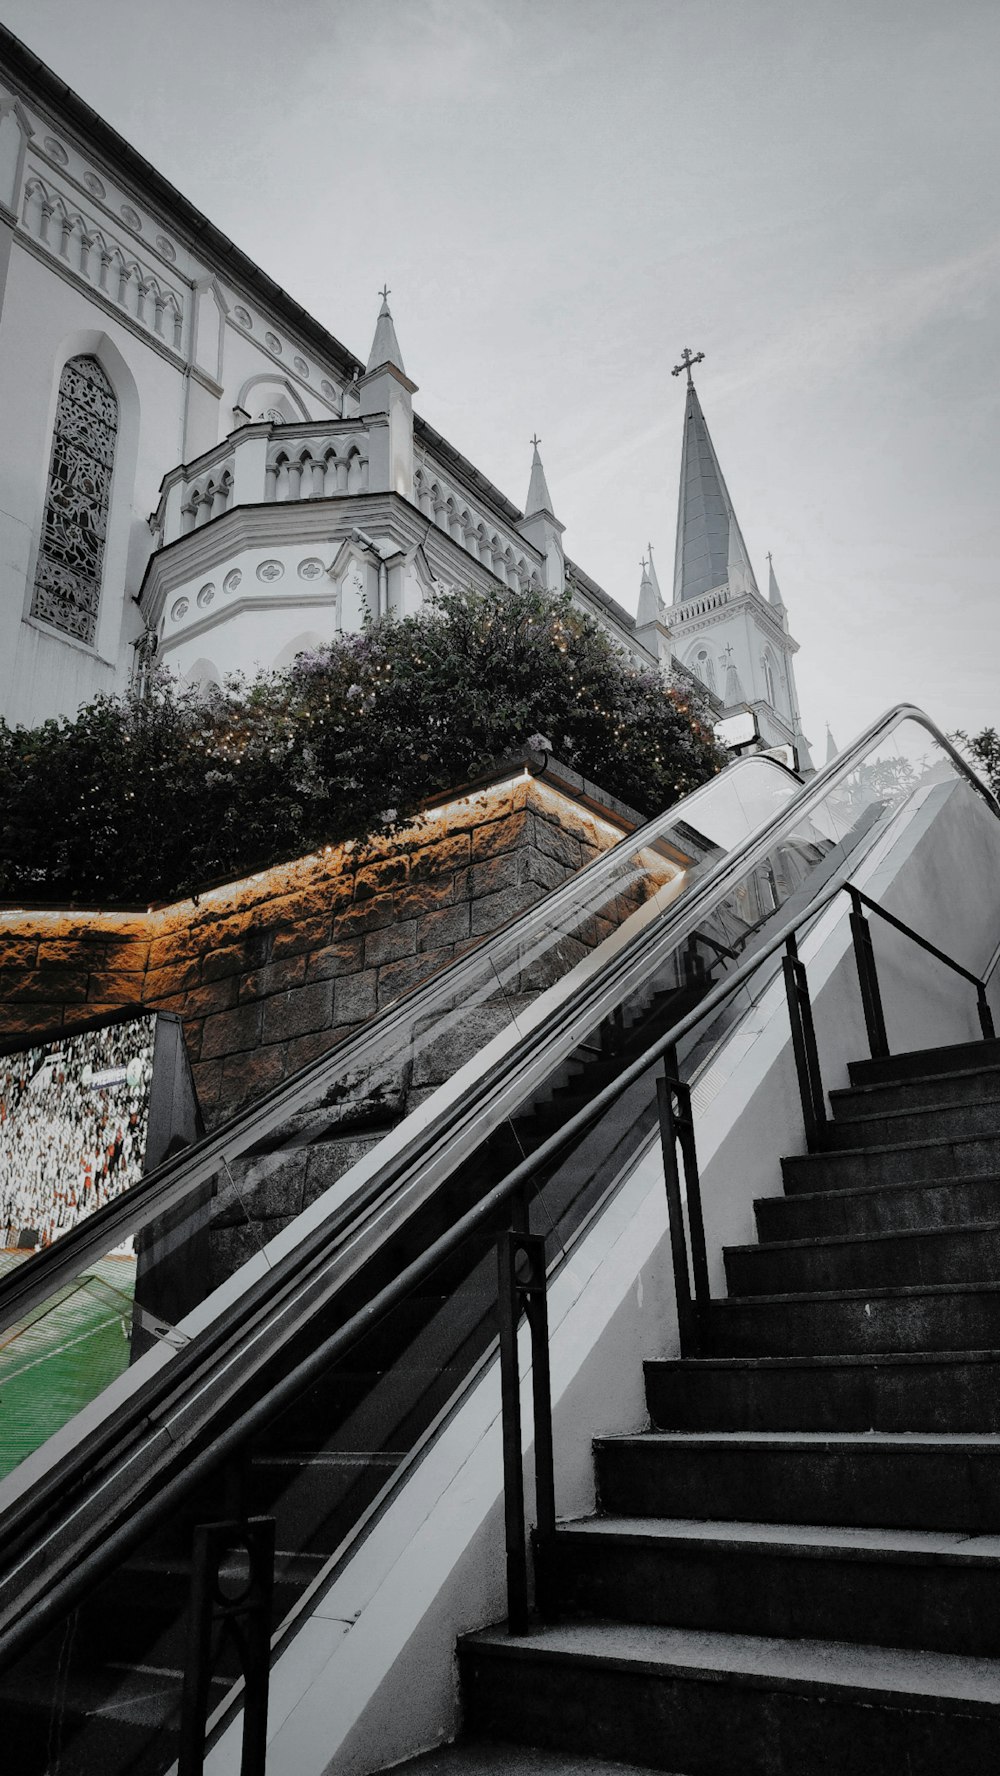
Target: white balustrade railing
[[319, 459], [498, 546]]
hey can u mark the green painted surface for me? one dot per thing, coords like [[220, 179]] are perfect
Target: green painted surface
[[62, 1355]]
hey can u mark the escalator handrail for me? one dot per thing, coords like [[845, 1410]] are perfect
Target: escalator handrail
[[162, 1189], [118, 1539]]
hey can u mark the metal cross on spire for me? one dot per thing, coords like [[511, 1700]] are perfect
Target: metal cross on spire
[[643, 564], [536, 440], [384, 292], [688, 357]]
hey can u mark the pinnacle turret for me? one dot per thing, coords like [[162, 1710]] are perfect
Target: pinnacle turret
[[650, 604], [773, 589], [385, 345], [539, 497], [654, 582]]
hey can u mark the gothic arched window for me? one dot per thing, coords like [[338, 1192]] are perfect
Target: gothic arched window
[[768, 666], [71, 557], [705, 669]]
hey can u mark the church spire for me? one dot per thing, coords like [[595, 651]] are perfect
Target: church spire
[[385, 345], [734, 692], [710, 548], [654, 582], [539, 497], [649, 597], [773, 589], [832, 748], [651, 618]]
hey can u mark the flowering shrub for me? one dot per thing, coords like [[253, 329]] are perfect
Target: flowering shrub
[[141, 799]]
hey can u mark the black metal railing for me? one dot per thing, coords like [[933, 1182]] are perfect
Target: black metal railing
[[690, 1262], [522, 1285]]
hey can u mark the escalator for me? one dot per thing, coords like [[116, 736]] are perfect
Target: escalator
[[368, 1160]]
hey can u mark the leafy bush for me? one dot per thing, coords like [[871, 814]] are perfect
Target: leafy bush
[[983, 753], [138, 799]]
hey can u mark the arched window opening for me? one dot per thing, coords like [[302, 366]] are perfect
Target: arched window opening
[[769, 680], [705, 668], [67, 589]]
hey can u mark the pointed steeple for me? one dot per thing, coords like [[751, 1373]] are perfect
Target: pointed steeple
[[710, 548], [540, 526], [832, 748], [649, 598], [654, 582], [385, 345], [651, 618], [539, 497], [773, 589], [734, 692]]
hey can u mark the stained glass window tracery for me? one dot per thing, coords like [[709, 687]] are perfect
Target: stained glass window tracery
[[71, 557]]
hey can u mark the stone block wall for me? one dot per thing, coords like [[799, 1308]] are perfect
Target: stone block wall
[[269, 972]]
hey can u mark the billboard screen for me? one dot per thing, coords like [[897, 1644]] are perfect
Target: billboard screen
[[74, 1116]]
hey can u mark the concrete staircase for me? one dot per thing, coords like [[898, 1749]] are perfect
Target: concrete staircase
[[798, 1570]]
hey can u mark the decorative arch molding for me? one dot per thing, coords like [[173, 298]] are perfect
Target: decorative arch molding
[[774, 680], [15, 134], [267, 383], [204, 674], [106, 633], [701, 661], [305, 643]]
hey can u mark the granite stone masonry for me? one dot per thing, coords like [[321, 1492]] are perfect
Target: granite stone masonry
[[269, 972]]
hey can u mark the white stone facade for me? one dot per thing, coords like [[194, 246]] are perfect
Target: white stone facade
[[249, 488], [203, 472]]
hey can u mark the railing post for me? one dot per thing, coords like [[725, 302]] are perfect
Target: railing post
[[677, 1127], [804, 1048], [241, 1612], [527, 1290], [985, 1014], [871, 997]]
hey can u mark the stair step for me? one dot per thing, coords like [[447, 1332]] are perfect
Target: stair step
[[937, 1391], [873, 1480], [937, 1316], [957, 1057], [965, 1085], [897, 1162], [877, 1260], [976, 1116], [878, 1208], [713, 1703], [494, 1757], [919, 1589]]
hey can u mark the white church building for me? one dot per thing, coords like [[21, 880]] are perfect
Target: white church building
[[205, 475]]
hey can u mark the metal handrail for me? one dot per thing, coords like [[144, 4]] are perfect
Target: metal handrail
[[165, 1187], [116, 1542]]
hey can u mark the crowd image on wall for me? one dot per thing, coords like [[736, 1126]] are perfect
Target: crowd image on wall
[[73, 1122]]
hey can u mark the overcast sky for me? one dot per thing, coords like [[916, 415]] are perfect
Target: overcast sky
[[563, 194]]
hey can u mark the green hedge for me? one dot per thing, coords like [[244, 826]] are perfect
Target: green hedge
[[148, 799]]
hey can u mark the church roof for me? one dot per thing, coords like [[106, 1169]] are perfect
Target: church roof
[[385, 345], [709, 540], [206, 238]]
